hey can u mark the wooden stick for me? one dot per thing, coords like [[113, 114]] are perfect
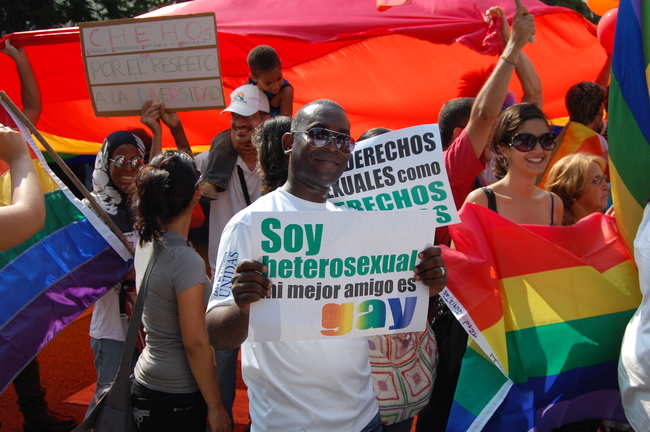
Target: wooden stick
[[531, 39], [91, 199]]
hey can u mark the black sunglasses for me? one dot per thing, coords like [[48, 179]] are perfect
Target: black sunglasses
[[319, 137], [120, 161], [525, 141]]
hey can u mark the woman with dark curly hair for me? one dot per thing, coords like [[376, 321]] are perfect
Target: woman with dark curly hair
[[522, 143], [174, 386], [272, 160]]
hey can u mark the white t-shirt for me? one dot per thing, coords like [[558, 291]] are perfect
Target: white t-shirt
[[106, 322], [634, 365], [319, 385], [229, 202]]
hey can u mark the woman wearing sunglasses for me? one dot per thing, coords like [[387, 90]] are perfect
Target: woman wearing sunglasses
[[580, 182], [522, 144], [175, 387], [116, 164]]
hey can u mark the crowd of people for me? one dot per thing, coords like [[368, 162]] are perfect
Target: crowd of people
[[185, 375]]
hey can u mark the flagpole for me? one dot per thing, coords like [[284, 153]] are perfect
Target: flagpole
[[531, 38], [91, 200]]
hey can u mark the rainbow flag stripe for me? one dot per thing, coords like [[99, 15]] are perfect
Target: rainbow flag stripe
[[546, 309], [629, 111], [575, 137], [50, 279]]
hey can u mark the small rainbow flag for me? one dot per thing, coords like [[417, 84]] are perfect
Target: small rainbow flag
[[50, 279], [546, 308], [629, 117], [575, 137]]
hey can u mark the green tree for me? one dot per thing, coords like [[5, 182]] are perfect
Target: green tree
[[22, 15], [577, 5]]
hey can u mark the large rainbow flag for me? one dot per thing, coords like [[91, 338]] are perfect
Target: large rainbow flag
[[50, 279], [629, 116], [546, 308]]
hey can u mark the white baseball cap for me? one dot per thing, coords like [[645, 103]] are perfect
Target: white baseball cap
[[247, 100]]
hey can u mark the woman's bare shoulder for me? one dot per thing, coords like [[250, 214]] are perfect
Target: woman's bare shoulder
[[478, 197]]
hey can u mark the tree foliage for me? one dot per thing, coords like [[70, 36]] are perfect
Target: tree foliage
[[577, 5], [22, 15]]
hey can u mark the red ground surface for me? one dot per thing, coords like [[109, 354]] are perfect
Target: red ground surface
[[67, 365], [67, 368]]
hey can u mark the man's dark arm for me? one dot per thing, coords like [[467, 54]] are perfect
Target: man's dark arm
[[228, 325]]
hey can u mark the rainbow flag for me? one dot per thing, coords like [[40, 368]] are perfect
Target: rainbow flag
[[629, 114], [50, 279], [546, 308], [575, 137]]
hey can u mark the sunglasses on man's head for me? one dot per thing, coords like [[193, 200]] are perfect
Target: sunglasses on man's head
[[121, 161], [319, 137], [525, 141]]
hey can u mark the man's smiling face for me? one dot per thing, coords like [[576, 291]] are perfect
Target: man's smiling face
[[317, 168], [242, 128]]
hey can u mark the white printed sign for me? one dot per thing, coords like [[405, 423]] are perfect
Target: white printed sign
[[399, 170], [340, 274], [170, 60]]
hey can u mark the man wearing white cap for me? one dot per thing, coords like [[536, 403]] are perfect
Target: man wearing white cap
[[232, 182]]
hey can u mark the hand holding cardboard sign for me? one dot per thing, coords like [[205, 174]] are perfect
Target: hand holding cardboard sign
[[150, 117]]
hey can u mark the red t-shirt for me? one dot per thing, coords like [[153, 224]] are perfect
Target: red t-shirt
[[462, 168]]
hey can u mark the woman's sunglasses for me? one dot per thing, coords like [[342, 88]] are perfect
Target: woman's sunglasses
[[525, 141], [120, 161]]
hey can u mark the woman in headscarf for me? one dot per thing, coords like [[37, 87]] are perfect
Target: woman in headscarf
[[118, 160]]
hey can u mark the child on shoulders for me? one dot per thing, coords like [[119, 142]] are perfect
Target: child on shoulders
[[266, 74]]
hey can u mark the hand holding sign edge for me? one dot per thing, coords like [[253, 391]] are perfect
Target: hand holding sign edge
[[431, 271], [249, 285]]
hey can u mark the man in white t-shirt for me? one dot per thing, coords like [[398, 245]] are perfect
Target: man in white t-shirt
[[317, 385], [232, 182]]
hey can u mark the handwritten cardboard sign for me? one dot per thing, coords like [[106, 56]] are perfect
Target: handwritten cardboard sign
[[399, 170], [339, 274], [170, 60]]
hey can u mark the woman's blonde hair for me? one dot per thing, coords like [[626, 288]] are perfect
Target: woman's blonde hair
[[568, 179]]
